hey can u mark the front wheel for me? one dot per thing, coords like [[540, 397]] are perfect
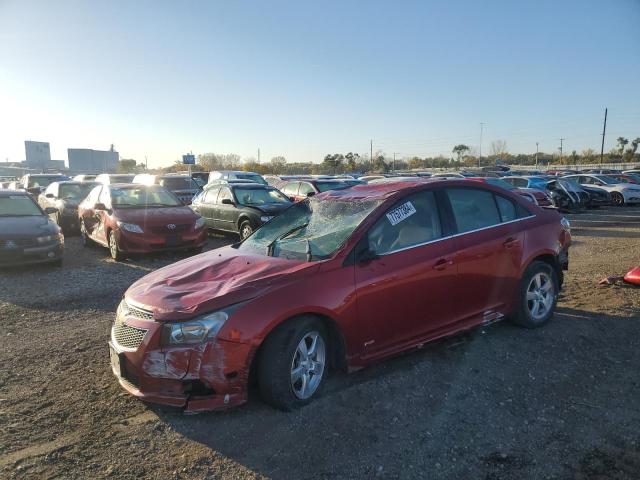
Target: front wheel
[[538, 295], [293, 363], [617, 199], [245, 230], [114, 250]]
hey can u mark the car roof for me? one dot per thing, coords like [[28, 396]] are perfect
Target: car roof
[[381, 191]]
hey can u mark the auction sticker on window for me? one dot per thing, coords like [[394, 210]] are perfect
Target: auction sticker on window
[[399, 214]]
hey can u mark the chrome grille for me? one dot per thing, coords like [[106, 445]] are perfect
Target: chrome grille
[[127, 336], [137, 312], [18, 242]]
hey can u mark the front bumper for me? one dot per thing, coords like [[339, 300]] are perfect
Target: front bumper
[[209, 376], [31, 255], [631, 197], [149, 242]]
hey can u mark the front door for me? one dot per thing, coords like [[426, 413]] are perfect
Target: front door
[[408, 291], [226, 214]]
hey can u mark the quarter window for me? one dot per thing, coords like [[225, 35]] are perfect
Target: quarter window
[[305, 189], [412, 221], [473, 209]]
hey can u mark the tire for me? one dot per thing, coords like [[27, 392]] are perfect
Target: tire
[[114, 250], [538, 295], [285, 380], [617, 199], [245, 229]]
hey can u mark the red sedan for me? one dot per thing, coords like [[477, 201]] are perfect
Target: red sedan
[[130, 218], [339, 280], [531, 194]]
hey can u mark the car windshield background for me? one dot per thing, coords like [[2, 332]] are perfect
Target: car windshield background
[[18, 206], [259, 196], [75, 191], [412, 221], [142, 197], [254, 177], [326, 186], [179, 183], [43, 181], [121, 178], [498, 182], [607, 180], [318, 226], [473, 208]]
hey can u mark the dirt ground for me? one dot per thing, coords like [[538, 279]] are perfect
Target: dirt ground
[[496, 403]]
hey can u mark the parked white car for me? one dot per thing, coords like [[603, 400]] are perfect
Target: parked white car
[[621, 193]]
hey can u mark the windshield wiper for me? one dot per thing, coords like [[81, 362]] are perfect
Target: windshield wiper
[[272, 245]]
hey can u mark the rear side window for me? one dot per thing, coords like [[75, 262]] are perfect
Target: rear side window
[[507, 209], [290, 188], [473, 209], [412, 221]]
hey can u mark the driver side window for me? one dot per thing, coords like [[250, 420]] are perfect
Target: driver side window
[[412, 221]]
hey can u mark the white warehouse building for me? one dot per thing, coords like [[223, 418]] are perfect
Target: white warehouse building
[[86, 160]]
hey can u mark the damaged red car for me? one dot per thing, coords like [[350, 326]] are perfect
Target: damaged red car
[[337, 281]]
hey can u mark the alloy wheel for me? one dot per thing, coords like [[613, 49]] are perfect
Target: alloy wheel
[[113, 246], [246, 231], [617, 198], [307, 365], [540, 295]]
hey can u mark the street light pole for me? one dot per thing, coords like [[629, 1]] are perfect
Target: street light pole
[[536, 154], [480, 153]]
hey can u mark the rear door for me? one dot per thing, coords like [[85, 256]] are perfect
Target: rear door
[[87, 210], [409, 290], [102, 217], [489, 244]]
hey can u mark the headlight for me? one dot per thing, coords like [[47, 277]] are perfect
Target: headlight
[[199, 223], [130, 227], [50, 238], [194, 331], [265, 218], [565, 224]]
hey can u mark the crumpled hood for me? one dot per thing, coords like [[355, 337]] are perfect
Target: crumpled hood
[[20, 227], [157, 216], [211, 281]]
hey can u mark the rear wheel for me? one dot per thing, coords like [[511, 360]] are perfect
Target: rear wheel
[[538, 295], [114, 250], [617, 199], [293, 363]]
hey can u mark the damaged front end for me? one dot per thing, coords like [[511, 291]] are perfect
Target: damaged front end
[[179, 364]]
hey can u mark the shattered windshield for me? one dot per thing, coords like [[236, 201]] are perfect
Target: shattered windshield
[[312, 229]]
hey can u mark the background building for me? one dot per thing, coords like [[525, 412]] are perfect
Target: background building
[[86, 160], [38, 156]]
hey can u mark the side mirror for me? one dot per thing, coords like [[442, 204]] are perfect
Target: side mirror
[[311, 194], [367, 256], [99, 206], [50, 210], [227, 201], [49, 195]]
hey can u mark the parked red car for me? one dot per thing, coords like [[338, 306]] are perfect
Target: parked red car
[[338, 280], [532, 194], [130, 218]]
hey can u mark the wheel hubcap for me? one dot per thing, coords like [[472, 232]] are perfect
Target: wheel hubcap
[[540, 295], [246, 231], [307, 365], [113, 246]]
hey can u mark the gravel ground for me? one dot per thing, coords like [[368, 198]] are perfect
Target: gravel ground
[[495, 403]]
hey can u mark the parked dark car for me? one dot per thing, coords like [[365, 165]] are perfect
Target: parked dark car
[[64, 198], [567, 196], [340, 280], [35, 183], [131, 218], [239, 207], [27, 234], [300, 189]]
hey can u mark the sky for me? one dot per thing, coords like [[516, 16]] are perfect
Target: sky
[[303, 79]]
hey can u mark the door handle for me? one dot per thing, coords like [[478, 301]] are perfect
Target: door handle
[[510, 242], [442, 264]]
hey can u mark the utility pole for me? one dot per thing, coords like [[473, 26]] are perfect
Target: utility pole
[[371, 150], [536, 154], [561, 140], [480, 153], [604, 131], [258, 155], [394, 163]]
